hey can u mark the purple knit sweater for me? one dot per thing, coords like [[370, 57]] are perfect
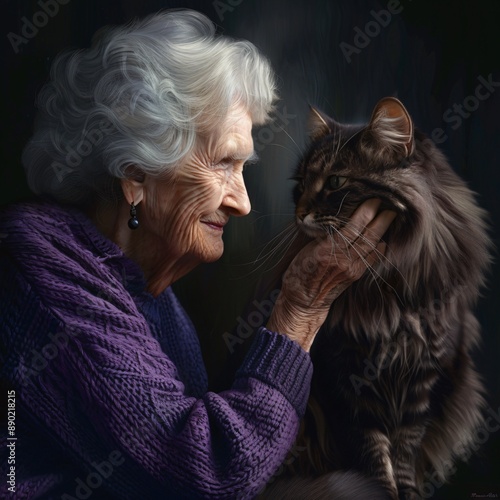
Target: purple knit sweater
[[110, 387]]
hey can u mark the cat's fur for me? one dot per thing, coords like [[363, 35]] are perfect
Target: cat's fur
[[395, 394]]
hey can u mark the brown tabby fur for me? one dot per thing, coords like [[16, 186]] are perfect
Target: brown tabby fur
[[395, 395]]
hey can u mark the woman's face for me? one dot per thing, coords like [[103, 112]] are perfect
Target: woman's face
[[189, 209]]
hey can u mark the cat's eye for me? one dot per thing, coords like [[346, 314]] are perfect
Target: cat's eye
[[335, 181]]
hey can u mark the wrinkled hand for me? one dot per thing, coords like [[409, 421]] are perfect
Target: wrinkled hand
[[323, 269]]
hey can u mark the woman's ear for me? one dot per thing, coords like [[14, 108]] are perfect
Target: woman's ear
[[133, 185]]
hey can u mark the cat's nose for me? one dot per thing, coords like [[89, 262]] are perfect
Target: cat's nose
[[305, 218], [301, 210]]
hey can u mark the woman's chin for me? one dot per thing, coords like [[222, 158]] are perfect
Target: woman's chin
[[213, 253]]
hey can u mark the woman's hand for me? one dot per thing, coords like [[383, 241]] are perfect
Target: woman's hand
[[323, 269]]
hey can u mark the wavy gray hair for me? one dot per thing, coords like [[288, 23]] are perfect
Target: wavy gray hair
[[139, 96]]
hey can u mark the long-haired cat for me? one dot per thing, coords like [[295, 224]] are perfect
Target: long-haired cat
[[395, 395]]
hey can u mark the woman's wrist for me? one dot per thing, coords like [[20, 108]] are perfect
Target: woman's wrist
[[297, 323]]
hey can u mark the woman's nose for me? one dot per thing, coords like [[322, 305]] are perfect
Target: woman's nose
[[236, 198]]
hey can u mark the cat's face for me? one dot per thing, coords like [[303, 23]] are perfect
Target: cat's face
[[346, 165]]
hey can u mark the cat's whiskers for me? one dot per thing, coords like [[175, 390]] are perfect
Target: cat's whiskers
[[341, 203], [333, 249], [298, 152], [274, 214], [283, 147], [337, 143], [349, 140], [285, 239], [374, 274], [385, 261], [281, 238], [384, 258], [284, 252]]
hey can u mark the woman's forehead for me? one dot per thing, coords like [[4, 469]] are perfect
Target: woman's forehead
[[234, 137]]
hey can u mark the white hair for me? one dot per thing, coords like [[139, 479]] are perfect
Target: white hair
[[139, 96]]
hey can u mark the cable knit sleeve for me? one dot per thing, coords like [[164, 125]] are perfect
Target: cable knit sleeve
[[111, 388]]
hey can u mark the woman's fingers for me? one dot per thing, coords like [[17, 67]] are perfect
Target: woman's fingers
[[378, 226], [354, 242], [371, 235], [361, 217], [366, 228], [377, 254]]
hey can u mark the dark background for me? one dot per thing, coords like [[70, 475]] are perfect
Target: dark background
[[430, 55]]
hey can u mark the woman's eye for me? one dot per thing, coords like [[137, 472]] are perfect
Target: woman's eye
[[335, 181], [224, 163]]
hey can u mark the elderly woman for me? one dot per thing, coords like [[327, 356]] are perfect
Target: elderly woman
[[138, 158]]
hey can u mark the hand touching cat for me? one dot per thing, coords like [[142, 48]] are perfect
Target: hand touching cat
[[323, 269]]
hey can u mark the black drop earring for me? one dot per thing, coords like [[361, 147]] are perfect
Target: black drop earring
[[133, 223]]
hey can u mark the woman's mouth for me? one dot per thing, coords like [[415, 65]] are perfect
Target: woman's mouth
[[215, 225]]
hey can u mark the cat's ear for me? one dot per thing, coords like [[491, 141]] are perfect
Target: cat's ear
[[319, 124], [392, 124]]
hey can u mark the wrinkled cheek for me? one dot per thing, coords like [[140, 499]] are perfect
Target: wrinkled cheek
[[208, 198], [166, 220], [202, 191], [180, 228]]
